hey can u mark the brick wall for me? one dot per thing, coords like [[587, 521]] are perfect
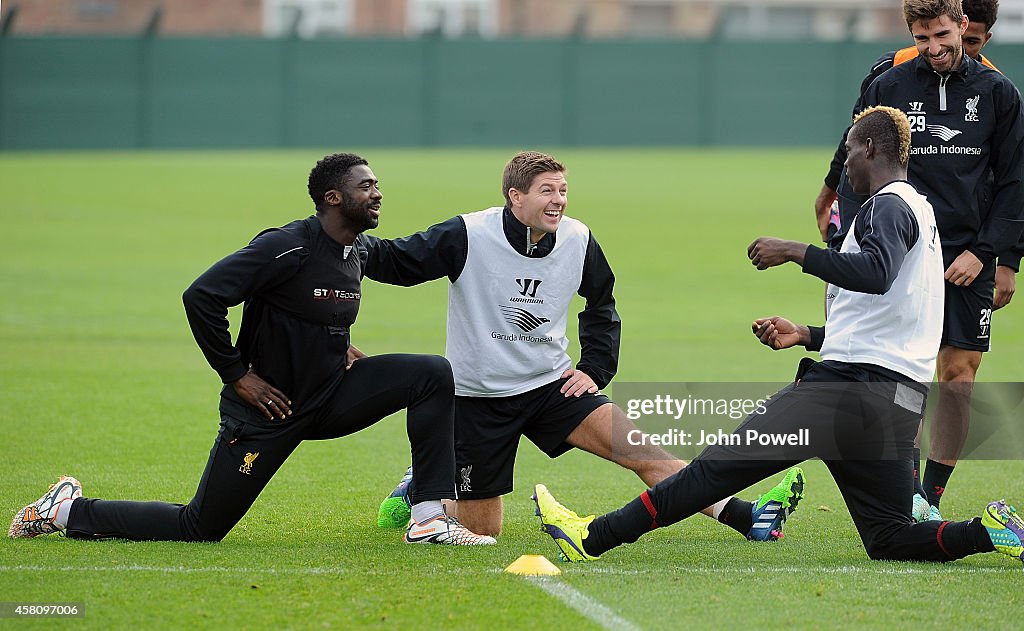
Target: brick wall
[[179, 17], [543, 18]]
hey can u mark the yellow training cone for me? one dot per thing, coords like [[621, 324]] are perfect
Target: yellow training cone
[[533, 565]]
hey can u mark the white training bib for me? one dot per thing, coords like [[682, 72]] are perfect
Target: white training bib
[[507, 312], [900, 329]]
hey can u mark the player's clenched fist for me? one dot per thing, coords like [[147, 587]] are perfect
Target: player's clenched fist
[[767, 252]]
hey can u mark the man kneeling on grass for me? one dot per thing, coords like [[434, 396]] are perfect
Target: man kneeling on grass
[[878, 352], [292, 375], [513, 374]]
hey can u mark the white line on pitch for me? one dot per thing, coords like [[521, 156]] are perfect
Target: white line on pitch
[[582, 603]]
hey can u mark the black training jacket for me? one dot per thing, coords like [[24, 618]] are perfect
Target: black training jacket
[[851, 201], [880, 67], [301, 291], [963, 124]]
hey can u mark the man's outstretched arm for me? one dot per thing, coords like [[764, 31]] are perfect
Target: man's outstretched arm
[[438, 251], [885, 232]]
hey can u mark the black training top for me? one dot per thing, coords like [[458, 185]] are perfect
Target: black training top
[[962, 125], [880, 67], [849, 201], [886, 230], [301, 293]]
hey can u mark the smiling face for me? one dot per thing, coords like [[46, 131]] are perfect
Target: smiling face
[[359, 198], [939, 41], [542, 206]]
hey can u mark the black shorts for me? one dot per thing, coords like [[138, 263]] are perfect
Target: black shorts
[[967, 318], [487, 431]]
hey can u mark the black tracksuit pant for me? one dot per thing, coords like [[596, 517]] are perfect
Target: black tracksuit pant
[[245, 456], [861, 433]]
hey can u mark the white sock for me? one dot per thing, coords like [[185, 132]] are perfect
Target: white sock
[[717, 509], [425, 511], [63, 510]]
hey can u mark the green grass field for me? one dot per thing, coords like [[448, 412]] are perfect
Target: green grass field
[[100, 378]]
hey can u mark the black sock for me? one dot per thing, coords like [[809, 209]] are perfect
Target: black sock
[[738, 515], [936, 476], [982, 542], [961, 538], [625, 525], [917, 473]]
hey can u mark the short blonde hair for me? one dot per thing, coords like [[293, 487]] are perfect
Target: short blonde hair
[[888, 127]]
